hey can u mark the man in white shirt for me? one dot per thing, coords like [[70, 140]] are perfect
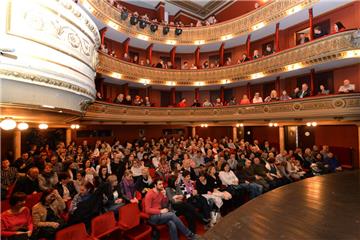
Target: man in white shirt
[[347, 87]]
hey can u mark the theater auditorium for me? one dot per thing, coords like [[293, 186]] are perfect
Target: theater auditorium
[[180, 120]]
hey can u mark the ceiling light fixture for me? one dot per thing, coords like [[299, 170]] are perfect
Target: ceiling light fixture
[[23, 126], [8, 124], [43, 126]]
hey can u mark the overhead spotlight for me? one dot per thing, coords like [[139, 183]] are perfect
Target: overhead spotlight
[[142, 24], [8, 124], [124, 15], [308, 124], [314, 124], [275, 124], [153, 27], [166, 30], [271, 124], [178, 31], [134, 20], [43, 126], [23, 126]]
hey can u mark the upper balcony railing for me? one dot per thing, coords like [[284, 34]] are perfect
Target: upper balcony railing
[[326, 49], [344, 107], [272, 12]]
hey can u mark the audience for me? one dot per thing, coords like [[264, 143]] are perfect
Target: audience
[[302, 39], [268, 50], [224, 171], [305, 91], [323, 91], [338, 27], [245, 100], [257, 98], [8, 177]]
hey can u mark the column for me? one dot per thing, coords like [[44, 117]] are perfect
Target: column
[[160, 11], [17, 143], [197, 58], [126, 45], [277, 86], [149, 52], [172, 57], [222, 94], [193, 131], [248, 90], [281, 138], [148, 90], [312, 79], [311, 26], [221, 54], [126, 89], [277, 37], [235, 130], [102, 34], [173, 96], [357, 165], [248, 44], [197, 94], [68, 136]]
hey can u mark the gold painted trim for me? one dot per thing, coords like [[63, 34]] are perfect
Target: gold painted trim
[[326, 49], [28, 77], [269, 13], [322, 107]]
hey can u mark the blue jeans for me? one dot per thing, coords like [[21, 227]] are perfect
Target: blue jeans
[[173, 222], [254, 189]]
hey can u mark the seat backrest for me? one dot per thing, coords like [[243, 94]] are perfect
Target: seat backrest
[[102, 224], [5, 205], [74, 232], [129, 215]]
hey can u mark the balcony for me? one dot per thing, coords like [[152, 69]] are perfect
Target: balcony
[[269, 13], [331, 48], [326, 109]]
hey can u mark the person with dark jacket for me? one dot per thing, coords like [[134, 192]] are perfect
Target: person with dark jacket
[[65, 187], [28, 184]]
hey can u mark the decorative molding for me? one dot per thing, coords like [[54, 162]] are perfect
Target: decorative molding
[[42, 80], [326, 49], [322, 107], [269, 13]]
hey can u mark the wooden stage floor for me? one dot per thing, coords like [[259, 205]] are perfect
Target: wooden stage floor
[[323, 207]]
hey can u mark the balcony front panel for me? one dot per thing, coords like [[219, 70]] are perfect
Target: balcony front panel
[[269, 13], [327, 49], [344, 107]]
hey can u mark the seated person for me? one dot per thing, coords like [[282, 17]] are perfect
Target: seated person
[[305, 91], [256, 54], [331, 163], [284, 96], [128, 100], [243, 59], [144, 183], [318, 32], [135, 59], [338, 27], [48, 178], [160, 64], [16, 223], [147, 102], [119, 99], [126, 57], [114, 195], [185, 66], [323, 91], [232, 102], [245, 100], [127, 186], [181, 206], [273, 97], [99, 97], [205, 65], [218, 103], [269, 50], [138, 101], [182, 103], [196, 103], [228, 61], [302, 39], [8, 177], [155, 203], [257, 98], [295, 93], [65, 187], [347, 87], [28, 184], [193, 67], [46, 214], [207, 103]]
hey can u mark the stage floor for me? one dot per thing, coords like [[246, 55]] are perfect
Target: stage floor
[[323, 207]]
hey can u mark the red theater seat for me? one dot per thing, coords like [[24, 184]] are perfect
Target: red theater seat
[[129, 222], [74, 232], [32, 199], [103, 225]]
